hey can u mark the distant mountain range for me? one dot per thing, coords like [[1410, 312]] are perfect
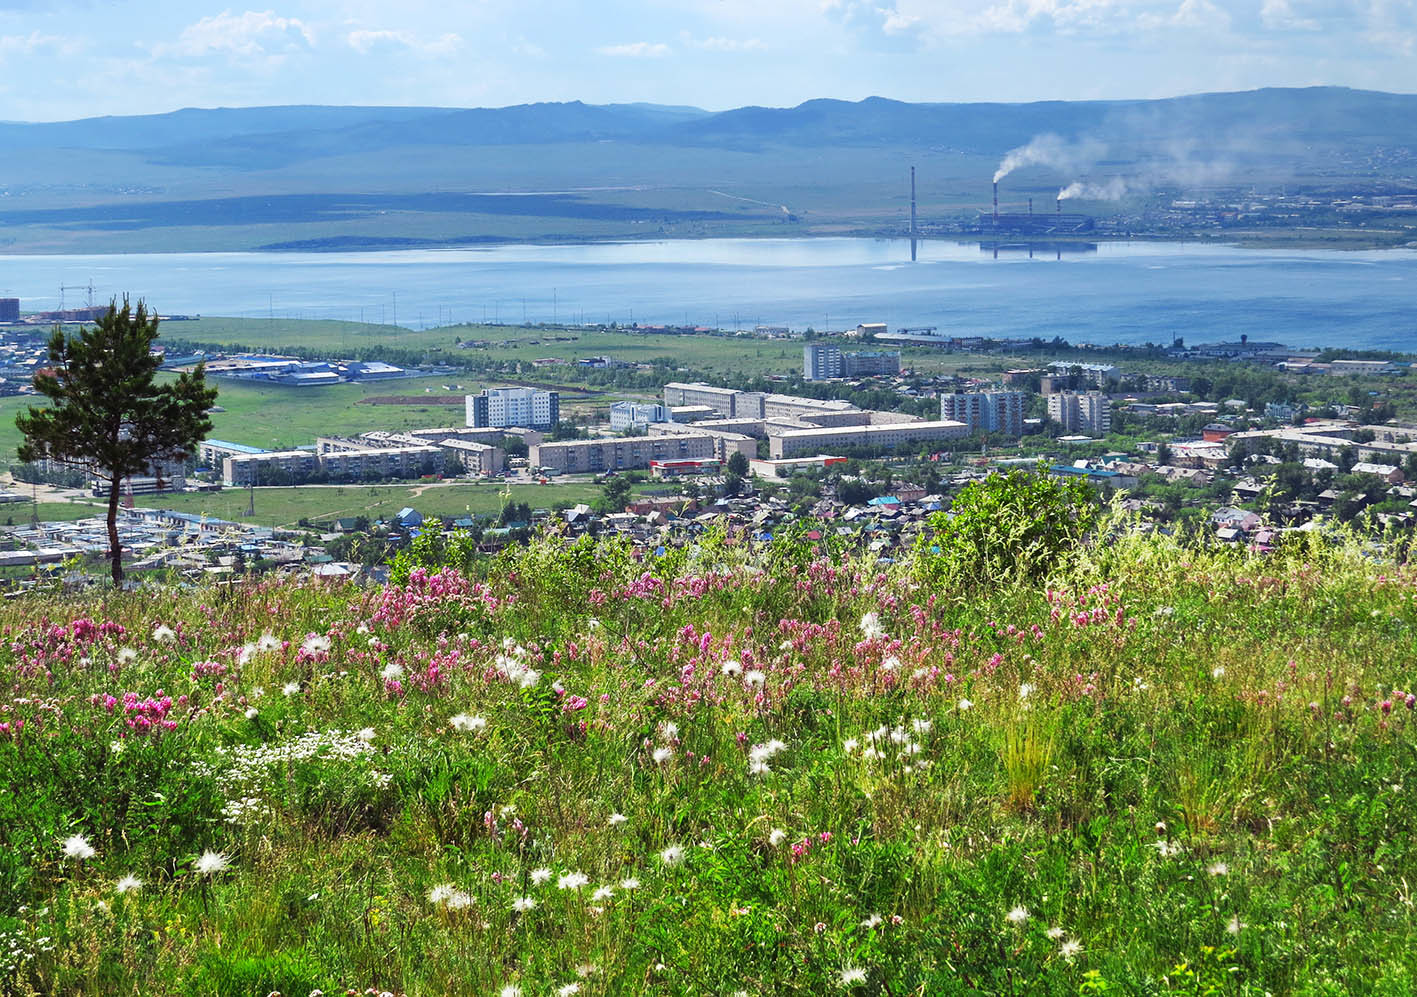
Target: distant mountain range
[[64, 184]]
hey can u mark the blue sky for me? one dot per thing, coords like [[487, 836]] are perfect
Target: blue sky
[[63, 59]]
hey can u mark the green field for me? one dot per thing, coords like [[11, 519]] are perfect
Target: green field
[[286, 506]]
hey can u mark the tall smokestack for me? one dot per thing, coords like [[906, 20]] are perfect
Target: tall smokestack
[[1030, 207], [1060, 205], [996, 202], [912, 202]]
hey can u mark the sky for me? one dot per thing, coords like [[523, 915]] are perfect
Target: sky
[[65, 59]]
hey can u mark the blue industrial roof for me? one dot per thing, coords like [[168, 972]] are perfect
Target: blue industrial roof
[[238, 447]]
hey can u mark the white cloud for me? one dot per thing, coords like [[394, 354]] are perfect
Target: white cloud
[[36, 41], [1279, 15], [636, 50], [365, 41], [720, 44], [249, 34]]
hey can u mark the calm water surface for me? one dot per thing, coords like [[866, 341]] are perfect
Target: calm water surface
[[1115, 292]]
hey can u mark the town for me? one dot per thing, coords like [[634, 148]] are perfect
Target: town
[[698, 456]]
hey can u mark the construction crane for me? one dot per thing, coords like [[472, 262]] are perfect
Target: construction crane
[[76, 287]]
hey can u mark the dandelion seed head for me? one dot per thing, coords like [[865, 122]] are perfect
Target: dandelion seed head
[[76, 846], [209, 863], [1217, 868], [851, 976], [1017, 915], [164, 634], [1069, 949], [128, 884], [617, 819], [672, 856], [754, 678], [777, 837]]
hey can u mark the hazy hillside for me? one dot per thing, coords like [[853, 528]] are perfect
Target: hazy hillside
[[255, 177]]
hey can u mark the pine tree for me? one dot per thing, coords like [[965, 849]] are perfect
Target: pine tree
[[106, 414]]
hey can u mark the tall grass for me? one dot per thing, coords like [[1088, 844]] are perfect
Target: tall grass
[[1166, 769]]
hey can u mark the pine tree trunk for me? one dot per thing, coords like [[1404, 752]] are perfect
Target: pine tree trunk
[[115, 551]]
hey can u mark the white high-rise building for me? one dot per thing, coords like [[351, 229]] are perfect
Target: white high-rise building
[[504, 407], [985, 411], [1087, 412]]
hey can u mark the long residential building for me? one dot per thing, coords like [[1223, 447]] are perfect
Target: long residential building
[[729, 403], [623, 453], [985, 411], [1087, 412], [727, 442], [624, 415], [502, 407], [353, 463], [881, 438]]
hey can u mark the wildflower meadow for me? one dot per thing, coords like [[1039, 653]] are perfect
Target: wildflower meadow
[[1139, 766]]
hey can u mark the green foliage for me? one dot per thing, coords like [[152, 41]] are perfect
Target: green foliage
[[107, 412], [1008, 526]]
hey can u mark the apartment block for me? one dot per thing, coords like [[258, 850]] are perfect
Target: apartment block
[[1081, 412], [503, 407], [822, 362], [476, 458], [985, 411], [729, 403], [880, 438], [624, 453]]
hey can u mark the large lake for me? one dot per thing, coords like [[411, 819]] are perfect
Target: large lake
[[1114, 292]]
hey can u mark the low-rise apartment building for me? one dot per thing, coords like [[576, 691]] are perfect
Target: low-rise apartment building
[[881, 438], [624, 453]]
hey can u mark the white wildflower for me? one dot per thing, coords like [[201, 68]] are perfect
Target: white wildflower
[[873, 921], [164, 634], [921, 726], [569, 990], [1217, 868], [290, 688], [630, 883], [76, 846], [850, 745], [1025, 690], [1055, 933], [672, 856], [890, 664], [1235, 925], [777, 836], [523, 904], [662, 755], [669, 731], [392, 672], [573, 881], [1069, 949], [252, 713], [1018, 915], [617, 819], [127, 884], [510, 990], [732, 669], [852, 975], [268, 642], [466, 723], [540, 876], [965, 704], [209, 863], [127, 655], [315, 644], [603, 893], [871, 626], [754, 678]]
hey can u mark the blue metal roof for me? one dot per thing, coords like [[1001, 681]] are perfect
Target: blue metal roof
[[238, 447]]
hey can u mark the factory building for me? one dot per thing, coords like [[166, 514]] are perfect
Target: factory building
[[985, 411], [1086, 412], [883, 438], [624, 415], [624, 453], [9, 309], [821, 362], [503, 407]]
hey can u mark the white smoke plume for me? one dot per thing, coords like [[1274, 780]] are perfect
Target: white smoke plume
[[1053, 151], [1113, 189]]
